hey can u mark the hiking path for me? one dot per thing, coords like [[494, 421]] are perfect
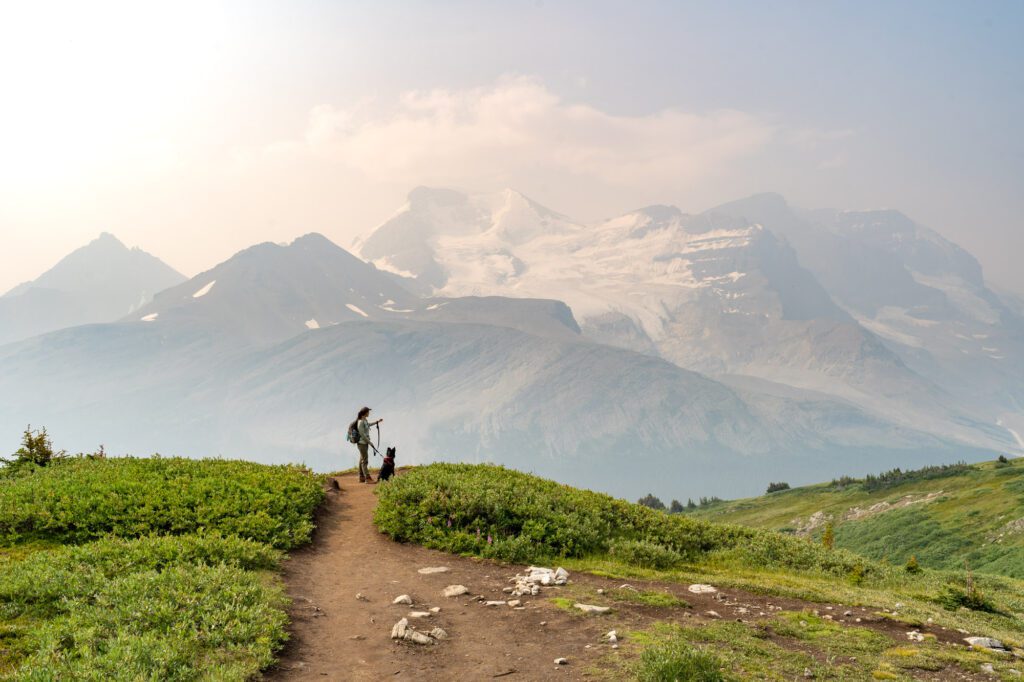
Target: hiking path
[[343, 584]]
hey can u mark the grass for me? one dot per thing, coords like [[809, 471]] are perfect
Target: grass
[[493, 512], [647, 598], [788, 647], [147, 569], [975, 515]]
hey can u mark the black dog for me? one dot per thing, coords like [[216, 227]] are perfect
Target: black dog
[[387, 469]]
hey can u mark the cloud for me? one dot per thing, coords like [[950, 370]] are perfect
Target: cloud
[[517, 127]]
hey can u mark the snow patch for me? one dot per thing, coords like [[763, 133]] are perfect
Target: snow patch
[[312, 324], [386, 265], [355, 309], [205, 290], [150, 317]]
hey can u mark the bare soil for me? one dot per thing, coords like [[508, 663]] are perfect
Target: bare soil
[[343, 585]]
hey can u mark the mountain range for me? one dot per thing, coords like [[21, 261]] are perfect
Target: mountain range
[[100, 282], [696, 354]]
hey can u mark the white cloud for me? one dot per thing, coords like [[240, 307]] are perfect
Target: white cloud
[[516, 128]]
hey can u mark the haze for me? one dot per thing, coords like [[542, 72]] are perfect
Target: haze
[[195, 129]]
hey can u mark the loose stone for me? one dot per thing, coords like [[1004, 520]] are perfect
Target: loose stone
[[702, 589], [590, 608]]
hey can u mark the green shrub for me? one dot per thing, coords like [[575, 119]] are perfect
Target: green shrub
[[912, 566], [495, 512], [953, 597], [677, 661], [183, 623], [168, 608], [85, 499], [777, 487], [651, 502], [644, 554]]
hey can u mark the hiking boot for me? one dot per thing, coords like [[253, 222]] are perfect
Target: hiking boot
[[362, 480], [369, 479]]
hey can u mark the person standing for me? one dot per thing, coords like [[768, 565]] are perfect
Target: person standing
[[363, 427]]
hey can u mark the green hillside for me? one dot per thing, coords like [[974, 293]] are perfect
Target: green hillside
[[146, 569], [504, 515], [943, 516]]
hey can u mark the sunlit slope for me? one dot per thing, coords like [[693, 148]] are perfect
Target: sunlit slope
[[972, 514]]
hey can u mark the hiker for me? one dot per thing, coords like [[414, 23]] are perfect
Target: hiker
[[363, 442]]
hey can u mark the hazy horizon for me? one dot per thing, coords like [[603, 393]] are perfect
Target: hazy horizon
[[195, 130]]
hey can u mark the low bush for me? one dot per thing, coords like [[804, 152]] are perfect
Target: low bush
[[644, 554], [495, 512], [85, 499], [953, 597], [180, 608]]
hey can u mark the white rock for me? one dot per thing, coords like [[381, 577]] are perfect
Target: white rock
[[561, 576], [419, 614], [590, 608], [435, 609], [514, 602], [402, 599], [600, 590], [987, 668], [399, 629], [360, 596], [417, 637], [915, 636], [438, 633], [561, 661], [495, 603], [702, 589], [986, 643], [433, 569], [712, 614], [455, 590]]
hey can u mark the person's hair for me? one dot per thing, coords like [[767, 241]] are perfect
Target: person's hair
[[363, 413]]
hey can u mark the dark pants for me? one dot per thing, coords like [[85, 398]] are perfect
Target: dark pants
[[364, 461]]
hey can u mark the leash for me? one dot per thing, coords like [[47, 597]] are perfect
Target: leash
[[370, 443]]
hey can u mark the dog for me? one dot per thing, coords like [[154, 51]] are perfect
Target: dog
[[387, 469]]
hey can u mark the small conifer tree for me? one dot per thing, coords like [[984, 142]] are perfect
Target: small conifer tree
[[651, 501], [828, 537]]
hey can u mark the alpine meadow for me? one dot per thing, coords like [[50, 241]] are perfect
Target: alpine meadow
[[655, 341]]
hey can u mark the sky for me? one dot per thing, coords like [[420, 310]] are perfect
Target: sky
[[195, 129]]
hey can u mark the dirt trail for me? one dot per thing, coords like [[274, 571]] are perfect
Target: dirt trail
[[336, 636], [339, 636]]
